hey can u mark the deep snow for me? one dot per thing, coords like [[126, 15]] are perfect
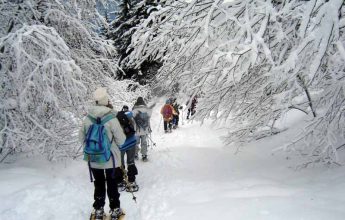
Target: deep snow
[[190, 175]]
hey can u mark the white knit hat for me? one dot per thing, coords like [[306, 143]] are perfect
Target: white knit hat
[[101, 96]]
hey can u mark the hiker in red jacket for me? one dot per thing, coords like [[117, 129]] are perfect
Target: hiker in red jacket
[[168, 113]]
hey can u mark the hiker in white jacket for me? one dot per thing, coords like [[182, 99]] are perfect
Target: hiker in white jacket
[[142, 115], [108, 173]]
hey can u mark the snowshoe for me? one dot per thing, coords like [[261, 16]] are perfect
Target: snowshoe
[[116, 214], [98, 214], [132, 187], [121, 186]]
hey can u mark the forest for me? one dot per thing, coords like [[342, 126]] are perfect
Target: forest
[[250, 63]]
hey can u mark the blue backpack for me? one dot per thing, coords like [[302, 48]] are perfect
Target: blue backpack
[[97, 143]]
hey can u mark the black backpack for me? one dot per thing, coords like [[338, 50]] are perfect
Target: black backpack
[[126, 125]]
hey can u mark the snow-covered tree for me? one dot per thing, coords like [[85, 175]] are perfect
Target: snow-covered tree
[[51, 60], [252, 61]]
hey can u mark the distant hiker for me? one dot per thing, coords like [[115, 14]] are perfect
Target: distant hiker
[[102, 135], [128, 148], [176, 117], [191, 106], [168, 113], [142, 114]]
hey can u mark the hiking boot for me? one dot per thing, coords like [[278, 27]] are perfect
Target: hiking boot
[[145, 158], [132, 187], [99, 214], [116, 213]]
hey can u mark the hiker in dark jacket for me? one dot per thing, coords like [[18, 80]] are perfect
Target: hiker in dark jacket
[[129, 151], [191, 105], [142, 115], [176, 117]]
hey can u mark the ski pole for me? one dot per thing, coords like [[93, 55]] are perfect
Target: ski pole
[[149, 137], [182, 117], [159, 124], [76, 153]]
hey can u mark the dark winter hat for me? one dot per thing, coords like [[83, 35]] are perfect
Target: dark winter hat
[[140, 101], [125, 108]]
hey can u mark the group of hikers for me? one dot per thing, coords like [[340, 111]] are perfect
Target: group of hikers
[[171, 112], [112, 142]]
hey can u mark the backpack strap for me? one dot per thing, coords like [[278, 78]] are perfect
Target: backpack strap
[[104, 120], [92, 119], [107, 118]]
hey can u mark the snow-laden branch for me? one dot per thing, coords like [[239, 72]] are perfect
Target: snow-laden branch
[[51, 61], [251, 61], [41, 88]]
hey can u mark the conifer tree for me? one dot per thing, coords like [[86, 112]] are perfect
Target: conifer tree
[[130, 15]]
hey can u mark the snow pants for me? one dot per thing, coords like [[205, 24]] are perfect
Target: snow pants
[[106, 180], [131, 168], [167, 124], [142, 141]]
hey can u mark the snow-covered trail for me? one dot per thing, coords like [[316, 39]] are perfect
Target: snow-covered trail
[[190, 175]]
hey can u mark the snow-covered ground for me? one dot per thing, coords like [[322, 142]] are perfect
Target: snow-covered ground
[[190, 175]]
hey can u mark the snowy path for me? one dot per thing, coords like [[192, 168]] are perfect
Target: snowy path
[[190, 175]]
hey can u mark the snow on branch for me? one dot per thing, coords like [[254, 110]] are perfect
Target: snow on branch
[[252, 61], [41, 89]]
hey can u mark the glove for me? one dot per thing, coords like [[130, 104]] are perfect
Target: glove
[[149, 129]]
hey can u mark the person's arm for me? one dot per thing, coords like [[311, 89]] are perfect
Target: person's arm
[[117, 131], [82, 132]]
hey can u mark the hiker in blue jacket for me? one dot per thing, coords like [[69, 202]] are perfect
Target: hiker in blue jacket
[[129, 151], [142, 115], [108, 174]]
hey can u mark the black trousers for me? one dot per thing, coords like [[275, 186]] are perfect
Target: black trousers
[[131, 168], [106, 180], [167, 124]]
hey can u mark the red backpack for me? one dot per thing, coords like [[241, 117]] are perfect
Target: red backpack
[[167, 111]]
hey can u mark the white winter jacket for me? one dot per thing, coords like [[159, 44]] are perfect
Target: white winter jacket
[[114, 130]]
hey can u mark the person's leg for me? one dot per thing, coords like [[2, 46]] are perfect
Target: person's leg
[[188, 113], [123, 159], [174, 122], [170, 125], [99, 193], [137, 149], [143, 145], [193, 111], [112, 181], [165, 125], [132, 169]]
